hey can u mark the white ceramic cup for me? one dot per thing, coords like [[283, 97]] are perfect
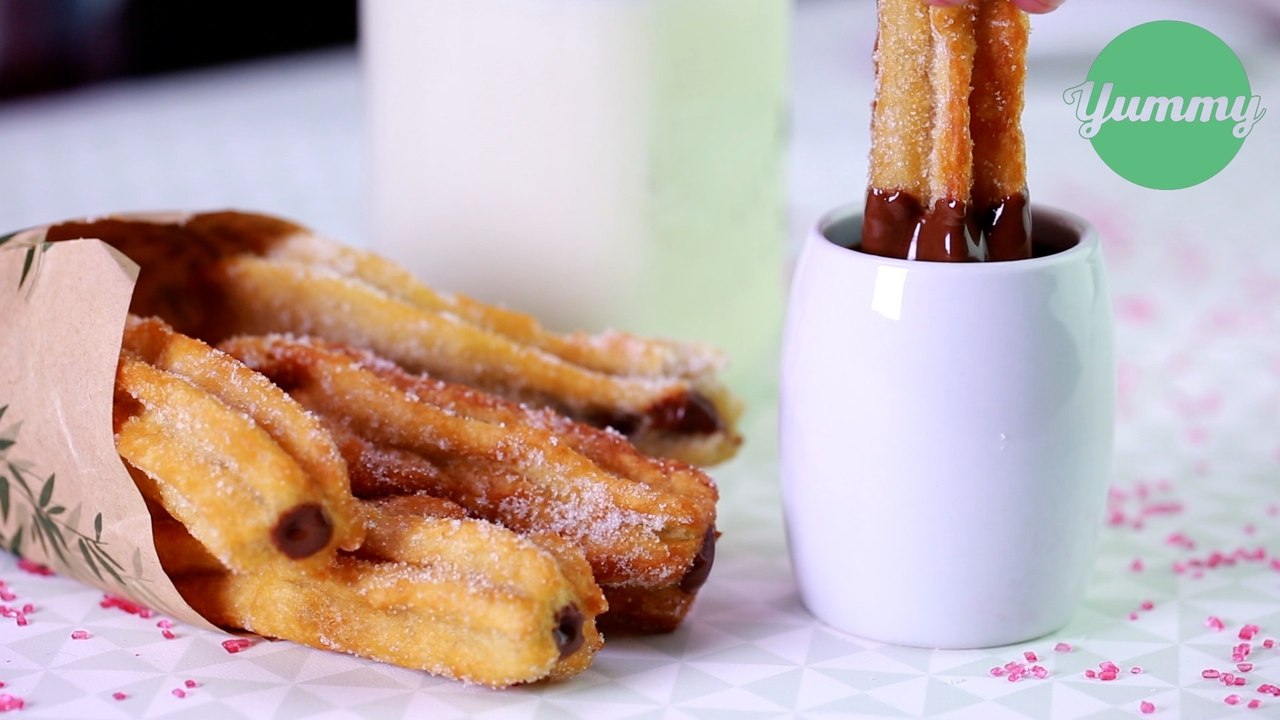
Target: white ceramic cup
[[946, 436]]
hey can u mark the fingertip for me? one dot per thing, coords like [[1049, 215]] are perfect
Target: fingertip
[[1038, 6]]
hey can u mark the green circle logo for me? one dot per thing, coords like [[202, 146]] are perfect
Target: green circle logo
[[1166, 105]]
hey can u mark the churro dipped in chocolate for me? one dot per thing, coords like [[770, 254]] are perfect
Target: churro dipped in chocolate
[[948, 168]]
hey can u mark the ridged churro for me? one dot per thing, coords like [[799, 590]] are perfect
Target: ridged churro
[[644, 524], [219, 446], [430, 589], [214, 275]]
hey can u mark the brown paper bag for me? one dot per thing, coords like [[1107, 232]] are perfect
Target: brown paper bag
[[66, 500]]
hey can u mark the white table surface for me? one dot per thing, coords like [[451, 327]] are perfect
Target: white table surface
[[1196, 280]]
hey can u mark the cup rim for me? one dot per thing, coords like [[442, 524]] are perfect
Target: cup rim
[[1086, 243]]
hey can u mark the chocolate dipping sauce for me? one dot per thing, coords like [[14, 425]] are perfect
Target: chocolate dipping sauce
[[896, 225]]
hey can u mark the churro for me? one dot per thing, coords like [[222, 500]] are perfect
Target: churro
[[227, 452], [430, 589], [214, 275], [644, 524], [947, 174]]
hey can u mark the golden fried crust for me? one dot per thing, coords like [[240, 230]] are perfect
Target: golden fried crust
[[278, 296], [999, 71], [903, 108], [639, 521], [645, 611], [217, 274], [453, 596], [216, 470], [950, 171], [298, 434], [399, 533]]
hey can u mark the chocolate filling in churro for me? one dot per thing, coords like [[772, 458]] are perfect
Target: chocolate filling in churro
[[303, 531]]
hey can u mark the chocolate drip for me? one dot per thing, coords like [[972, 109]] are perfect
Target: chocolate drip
[[302, 531], [1008, 224], [568, 630], [948, 233], [895, 224]]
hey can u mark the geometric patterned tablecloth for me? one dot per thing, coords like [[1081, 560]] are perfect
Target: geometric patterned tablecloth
[[1193, 528]]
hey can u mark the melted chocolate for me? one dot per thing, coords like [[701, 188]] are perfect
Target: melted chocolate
[[568, 630], [895, 224], [302, 531], [700, 570], [688, 413], [691, 414]]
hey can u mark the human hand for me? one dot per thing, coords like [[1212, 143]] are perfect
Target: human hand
[[1031, 6]]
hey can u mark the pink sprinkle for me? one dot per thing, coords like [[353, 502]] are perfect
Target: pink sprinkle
[[1014, 677], [1232, 699], [236, 645], [1244, 666], [11, 702], [129, 606], [80, 635], [1062, 647], [1248, 631], [191, 683], [1108, 665], [1214, 623], [1030, 656], [1269, 689], [1107, 675], [21, 620], [1135, 670], [1269, 643], [119, 695], [1090, 673], [1039, 672], [1147, 707], [7, 596], [1133, 616], [165, 623], [1136, 565], [1210, 674], [1254, 704], [1147, 605], [1239, 682], [167, 634], [995, 671], [28, 608], [180, 693], [34, 569]]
